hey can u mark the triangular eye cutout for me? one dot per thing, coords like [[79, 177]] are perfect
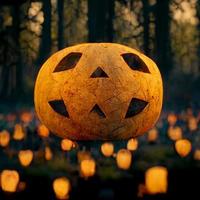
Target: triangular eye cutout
[[99, 73], [135, 107], [135, 62], [98, 110], [68, 62], [59, 107]]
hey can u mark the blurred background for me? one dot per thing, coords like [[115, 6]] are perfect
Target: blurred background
[[168, 31]]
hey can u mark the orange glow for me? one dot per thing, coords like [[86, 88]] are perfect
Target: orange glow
[[9, 180], [61, 187], [183, 147], [132, 144], [107, 149], [156, 180], [152, 135], [87, 168], [83, 155], [197, 154], [124, 159], [66, 145], [18, 132], [192, 124], [172, 119], [25, 157], [48, 153], [26, 117], [43, 131], [4, 138], [175, 133]]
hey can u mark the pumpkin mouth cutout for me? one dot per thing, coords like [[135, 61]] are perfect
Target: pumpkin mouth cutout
[[135, 107]]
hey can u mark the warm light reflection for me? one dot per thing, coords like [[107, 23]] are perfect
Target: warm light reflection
[[192, 124], [124, 159], [61, 187], [9, 180], [197, 154], [156, 180], [172, 119], [107, 149], [26, 117]]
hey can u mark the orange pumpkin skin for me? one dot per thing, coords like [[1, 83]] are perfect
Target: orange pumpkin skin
[[98, 91]]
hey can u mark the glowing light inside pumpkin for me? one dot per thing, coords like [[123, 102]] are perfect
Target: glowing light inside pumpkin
[[61, 187], [124, 159], [107, 149], [25, 157], [156, 180], [9, 180], [183, 147]]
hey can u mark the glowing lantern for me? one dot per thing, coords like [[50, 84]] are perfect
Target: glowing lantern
[[197, 154], [25, 157], [172, 118], [48, 153], [132, 144], [175, 133], [43, 131], [192, 124], [4, 138], [18, 132], [156, 180], [85, 107], [152, 135], [87, 168], [26, 117], [183, 147], [9, 180], [124, 159], [61, 187], [66, 145], [107, 149]]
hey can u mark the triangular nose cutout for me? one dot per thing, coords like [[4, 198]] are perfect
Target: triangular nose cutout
[[98, 110], [99, 73]]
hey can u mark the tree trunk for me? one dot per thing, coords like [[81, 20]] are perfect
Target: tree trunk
[[100, 20], [146, 21], [45, 43], [162, 37], [60, 10]]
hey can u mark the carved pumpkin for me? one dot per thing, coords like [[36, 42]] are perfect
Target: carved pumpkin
[[98, 91], [4, 138], [132, 144], [183, 147], [87, 168]]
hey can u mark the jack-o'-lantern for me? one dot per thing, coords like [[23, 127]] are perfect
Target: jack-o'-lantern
[[4, 138], [107, 149], [183, 147], [25, 157], [124, 159], [98, 91], [132, 144]]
